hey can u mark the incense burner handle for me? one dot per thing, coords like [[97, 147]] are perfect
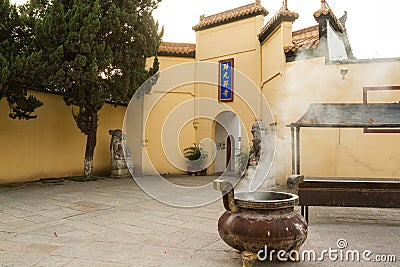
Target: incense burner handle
[[228, 194]]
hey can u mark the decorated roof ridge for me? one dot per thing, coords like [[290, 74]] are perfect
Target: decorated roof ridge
[[231, 15], [304, 39], [308, 30], [327, 11], [283, 14], [179, 49]]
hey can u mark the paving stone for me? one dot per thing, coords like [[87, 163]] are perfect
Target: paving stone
[[113, 264], [20, 213], [54, 261], [209, 215], [82, 263], [111, 222], [154, 226], [6, 228], [13, 246], [38, 219], [201, 227], [162, 220], [31, 238], [9, 257], [130, 228], [76, 234], [87, 226], [42, 248], [114, 246], [16, 222]]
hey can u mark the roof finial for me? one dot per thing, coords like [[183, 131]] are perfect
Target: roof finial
[[258, 2], [324, 5], [343, 19], [285, 5]]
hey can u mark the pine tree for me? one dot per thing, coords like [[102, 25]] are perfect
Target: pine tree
[[93, 52], [14, 40]]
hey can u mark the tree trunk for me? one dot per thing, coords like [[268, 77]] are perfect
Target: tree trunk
[[90, 145]]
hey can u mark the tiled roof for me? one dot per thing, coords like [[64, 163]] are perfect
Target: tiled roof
[[327, 11], [304, 38], [177, 49], [235, 14], [283, 14]]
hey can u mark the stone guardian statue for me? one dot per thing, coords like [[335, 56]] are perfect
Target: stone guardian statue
[[120, 155]]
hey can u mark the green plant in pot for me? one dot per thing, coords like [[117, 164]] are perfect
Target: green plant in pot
[[196, 157]]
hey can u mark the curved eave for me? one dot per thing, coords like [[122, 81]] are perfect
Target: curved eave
[[328, 13], [200, 27], [269, 28], [172, 54]]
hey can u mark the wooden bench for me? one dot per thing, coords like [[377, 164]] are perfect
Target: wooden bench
[[348, 192]]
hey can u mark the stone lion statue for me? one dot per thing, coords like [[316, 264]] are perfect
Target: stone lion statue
[[120, 154], [256, 131]]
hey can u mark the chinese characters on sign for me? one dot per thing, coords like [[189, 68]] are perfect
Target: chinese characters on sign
[[225, 79]]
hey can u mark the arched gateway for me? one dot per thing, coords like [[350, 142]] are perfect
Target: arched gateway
[[227, 139]]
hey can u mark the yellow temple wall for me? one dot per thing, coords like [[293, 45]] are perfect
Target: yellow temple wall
[[51, 145]]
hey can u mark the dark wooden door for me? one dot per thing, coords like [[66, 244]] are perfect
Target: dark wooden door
[[228, 153]]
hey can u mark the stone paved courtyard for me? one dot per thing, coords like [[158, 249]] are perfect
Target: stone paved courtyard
[[111, 222]]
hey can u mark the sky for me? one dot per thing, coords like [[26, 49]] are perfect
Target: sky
[[372, 26]]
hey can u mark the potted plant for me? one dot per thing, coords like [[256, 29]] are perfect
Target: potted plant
[[196, 157]]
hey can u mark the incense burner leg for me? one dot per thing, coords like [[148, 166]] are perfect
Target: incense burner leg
[[248, 258], [295, 257]]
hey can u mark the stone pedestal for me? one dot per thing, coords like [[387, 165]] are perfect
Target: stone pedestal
[[119, 168]]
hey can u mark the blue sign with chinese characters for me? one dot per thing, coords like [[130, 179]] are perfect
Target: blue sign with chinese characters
[[225, 80]]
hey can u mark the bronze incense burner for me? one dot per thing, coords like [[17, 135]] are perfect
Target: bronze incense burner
[[259, 220]]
